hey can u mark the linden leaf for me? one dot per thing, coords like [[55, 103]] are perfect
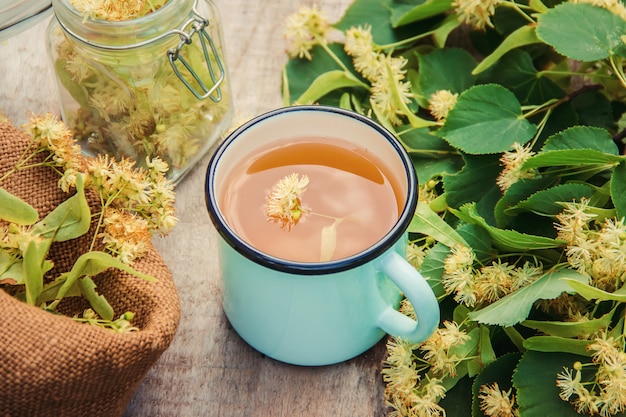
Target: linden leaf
[[486, 119], [557, 344], [525, 35], [546, 202], [581, 31], [97, 301], [16, 210], [618, 189], [515, 307], [446, 69], [403, 14], [90, 264], [429, 223], [582, 137], [68, 220], [327, 82], [504, 238], [535, 380], [573, 328]]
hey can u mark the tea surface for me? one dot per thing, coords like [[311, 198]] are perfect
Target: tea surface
[[349, 202]]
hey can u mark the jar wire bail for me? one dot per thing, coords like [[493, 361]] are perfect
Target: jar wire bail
[[198, 25]]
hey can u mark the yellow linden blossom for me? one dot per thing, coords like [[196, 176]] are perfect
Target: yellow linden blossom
[[441, 102], [513, 162], [603, 392], [305, 29], [497, 403], [476, 13], [115, 10], [360, 46], [389, 90], [51, 134], [283, 203]]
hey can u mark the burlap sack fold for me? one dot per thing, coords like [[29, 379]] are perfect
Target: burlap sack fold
[[51, 365]]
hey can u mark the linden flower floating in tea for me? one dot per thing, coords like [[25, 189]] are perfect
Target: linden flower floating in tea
[[283, 203], [284, 206]]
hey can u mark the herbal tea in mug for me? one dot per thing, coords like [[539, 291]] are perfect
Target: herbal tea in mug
[[312, 204], [311, 199]]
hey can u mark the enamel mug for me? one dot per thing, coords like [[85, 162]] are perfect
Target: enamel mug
[[319, 313]]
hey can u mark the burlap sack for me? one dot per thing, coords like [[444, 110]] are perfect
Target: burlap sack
[[51, 365]]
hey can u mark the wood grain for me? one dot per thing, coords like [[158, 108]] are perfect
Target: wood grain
[[208, 370]]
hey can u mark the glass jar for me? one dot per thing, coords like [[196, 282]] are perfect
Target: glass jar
[[152, 86]]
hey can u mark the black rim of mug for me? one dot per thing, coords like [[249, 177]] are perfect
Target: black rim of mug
[[312, 268]]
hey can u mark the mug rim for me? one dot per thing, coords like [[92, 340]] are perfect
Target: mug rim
[[312, 268]]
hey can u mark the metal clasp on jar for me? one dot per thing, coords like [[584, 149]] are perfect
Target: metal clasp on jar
[[197, 25]]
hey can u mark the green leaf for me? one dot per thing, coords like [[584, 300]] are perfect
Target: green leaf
[[90, 264], [15, 210], [505, 239], [581, 31], [525, 35], [33, 270], [427, 222], [11, 269], [474, 181], [618, 189], [432, 268], [441, 34], [576, 157], [592, 293], [422, 10], [535, 380], [582, 137], [517, 72], [327, 82], [97, 301], [515, 307], [571, 329], [68, 220], [519, 191], [485, 349], [445, 69], [546, 202], [299, 74], [557, 344], [362, 11], [486, 119]]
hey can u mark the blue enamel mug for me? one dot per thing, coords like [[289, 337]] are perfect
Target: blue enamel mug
[[319, 313]]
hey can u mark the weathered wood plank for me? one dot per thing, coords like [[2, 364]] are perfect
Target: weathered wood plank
[[209, 370]]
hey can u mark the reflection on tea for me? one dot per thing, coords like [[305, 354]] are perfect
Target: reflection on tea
[[344, 197]]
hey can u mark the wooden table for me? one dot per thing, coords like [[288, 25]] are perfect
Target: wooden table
[[208, 370]]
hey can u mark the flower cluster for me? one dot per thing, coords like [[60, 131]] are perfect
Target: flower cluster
[[595, 248], [305, 29], [604, 393], [390, 93], [407, 391], [476, 13], [513, 163], [135, 203]]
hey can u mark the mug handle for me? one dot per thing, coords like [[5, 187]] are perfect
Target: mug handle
[[418, 292]]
